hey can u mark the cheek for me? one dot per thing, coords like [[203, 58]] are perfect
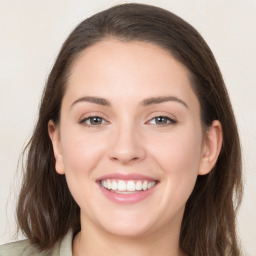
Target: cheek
[[181, 150], [178, 155], [81, 152]]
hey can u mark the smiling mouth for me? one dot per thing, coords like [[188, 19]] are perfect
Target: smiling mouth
[[127, 186]]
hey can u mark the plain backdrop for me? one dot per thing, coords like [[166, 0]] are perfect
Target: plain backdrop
[[31, 34]]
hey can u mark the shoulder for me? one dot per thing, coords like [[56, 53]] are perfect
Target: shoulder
[[24, 248], [19, 248]]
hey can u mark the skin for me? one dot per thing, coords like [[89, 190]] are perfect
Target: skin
[[129, 139]]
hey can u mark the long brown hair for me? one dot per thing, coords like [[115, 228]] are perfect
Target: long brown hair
[[46, 209]]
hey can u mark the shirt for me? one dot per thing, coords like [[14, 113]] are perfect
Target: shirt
[[24, 248]]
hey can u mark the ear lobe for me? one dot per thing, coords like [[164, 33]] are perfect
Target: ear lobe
[[56, 144], [211, 148]]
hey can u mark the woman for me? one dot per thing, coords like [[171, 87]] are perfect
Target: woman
[[136, 149]]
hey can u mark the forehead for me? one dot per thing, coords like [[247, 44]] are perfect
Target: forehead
[[118, 70]]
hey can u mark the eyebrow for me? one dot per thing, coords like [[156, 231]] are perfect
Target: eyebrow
[[158, 100], [145, 102], [92, 99]]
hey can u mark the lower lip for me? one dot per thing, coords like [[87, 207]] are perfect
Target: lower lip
[[126, 198]]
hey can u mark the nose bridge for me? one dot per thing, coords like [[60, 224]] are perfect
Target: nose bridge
[[126, 142]]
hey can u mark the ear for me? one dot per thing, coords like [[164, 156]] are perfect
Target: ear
[[211, 147], [54, 134]]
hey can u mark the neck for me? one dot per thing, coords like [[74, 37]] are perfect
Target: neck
[[93, 242]]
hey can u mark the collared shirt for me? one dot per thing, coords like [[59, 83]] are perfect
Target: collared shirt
[[24, 248]]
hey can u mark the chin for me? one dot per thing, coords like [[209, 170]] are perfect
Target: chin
[[128, 230], [133, 225]]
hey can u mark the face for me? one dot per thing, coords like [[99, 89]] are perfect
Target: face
[[129, 140]]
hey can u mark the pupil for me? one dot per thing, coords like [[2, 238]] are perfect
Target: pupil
[[96, 120], [161, 120]]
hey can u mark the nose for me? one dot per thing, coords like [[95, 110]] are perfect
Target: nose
[[126, 145]]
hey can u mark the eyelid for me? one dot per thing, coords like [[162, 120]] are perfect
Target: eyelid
[[172, 120], [86, 117], [88, 114]]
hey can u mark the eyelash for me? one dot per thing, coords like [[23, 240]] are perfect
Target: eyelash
[[90, 118], [169, 121]]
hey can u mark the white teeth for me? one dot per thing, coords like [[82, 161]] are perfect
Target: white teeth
[[145, 185], [151, 184], [139, 185], [122, 186], [130, 186], [104, 184], [109, 184], [114, 185]]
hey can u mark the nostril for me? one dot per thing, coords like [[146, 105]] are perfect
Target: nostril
[[125, 158]]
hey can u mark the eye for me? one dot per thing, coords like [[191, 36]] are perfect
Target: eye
[[93, 121], [162, 120]]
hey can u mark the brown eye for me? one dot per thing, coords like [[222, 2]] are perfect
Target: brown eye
[[93, 121], [162, 120]]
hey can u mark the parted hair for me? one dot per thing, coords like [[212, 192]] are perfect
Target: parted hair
[[46, 210]]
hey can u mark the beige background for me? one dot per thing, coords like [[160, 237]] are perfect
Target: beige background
[[31, 33]]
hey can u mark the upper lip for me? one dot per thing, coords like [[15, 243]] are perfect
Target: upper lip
[[125, 176]]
